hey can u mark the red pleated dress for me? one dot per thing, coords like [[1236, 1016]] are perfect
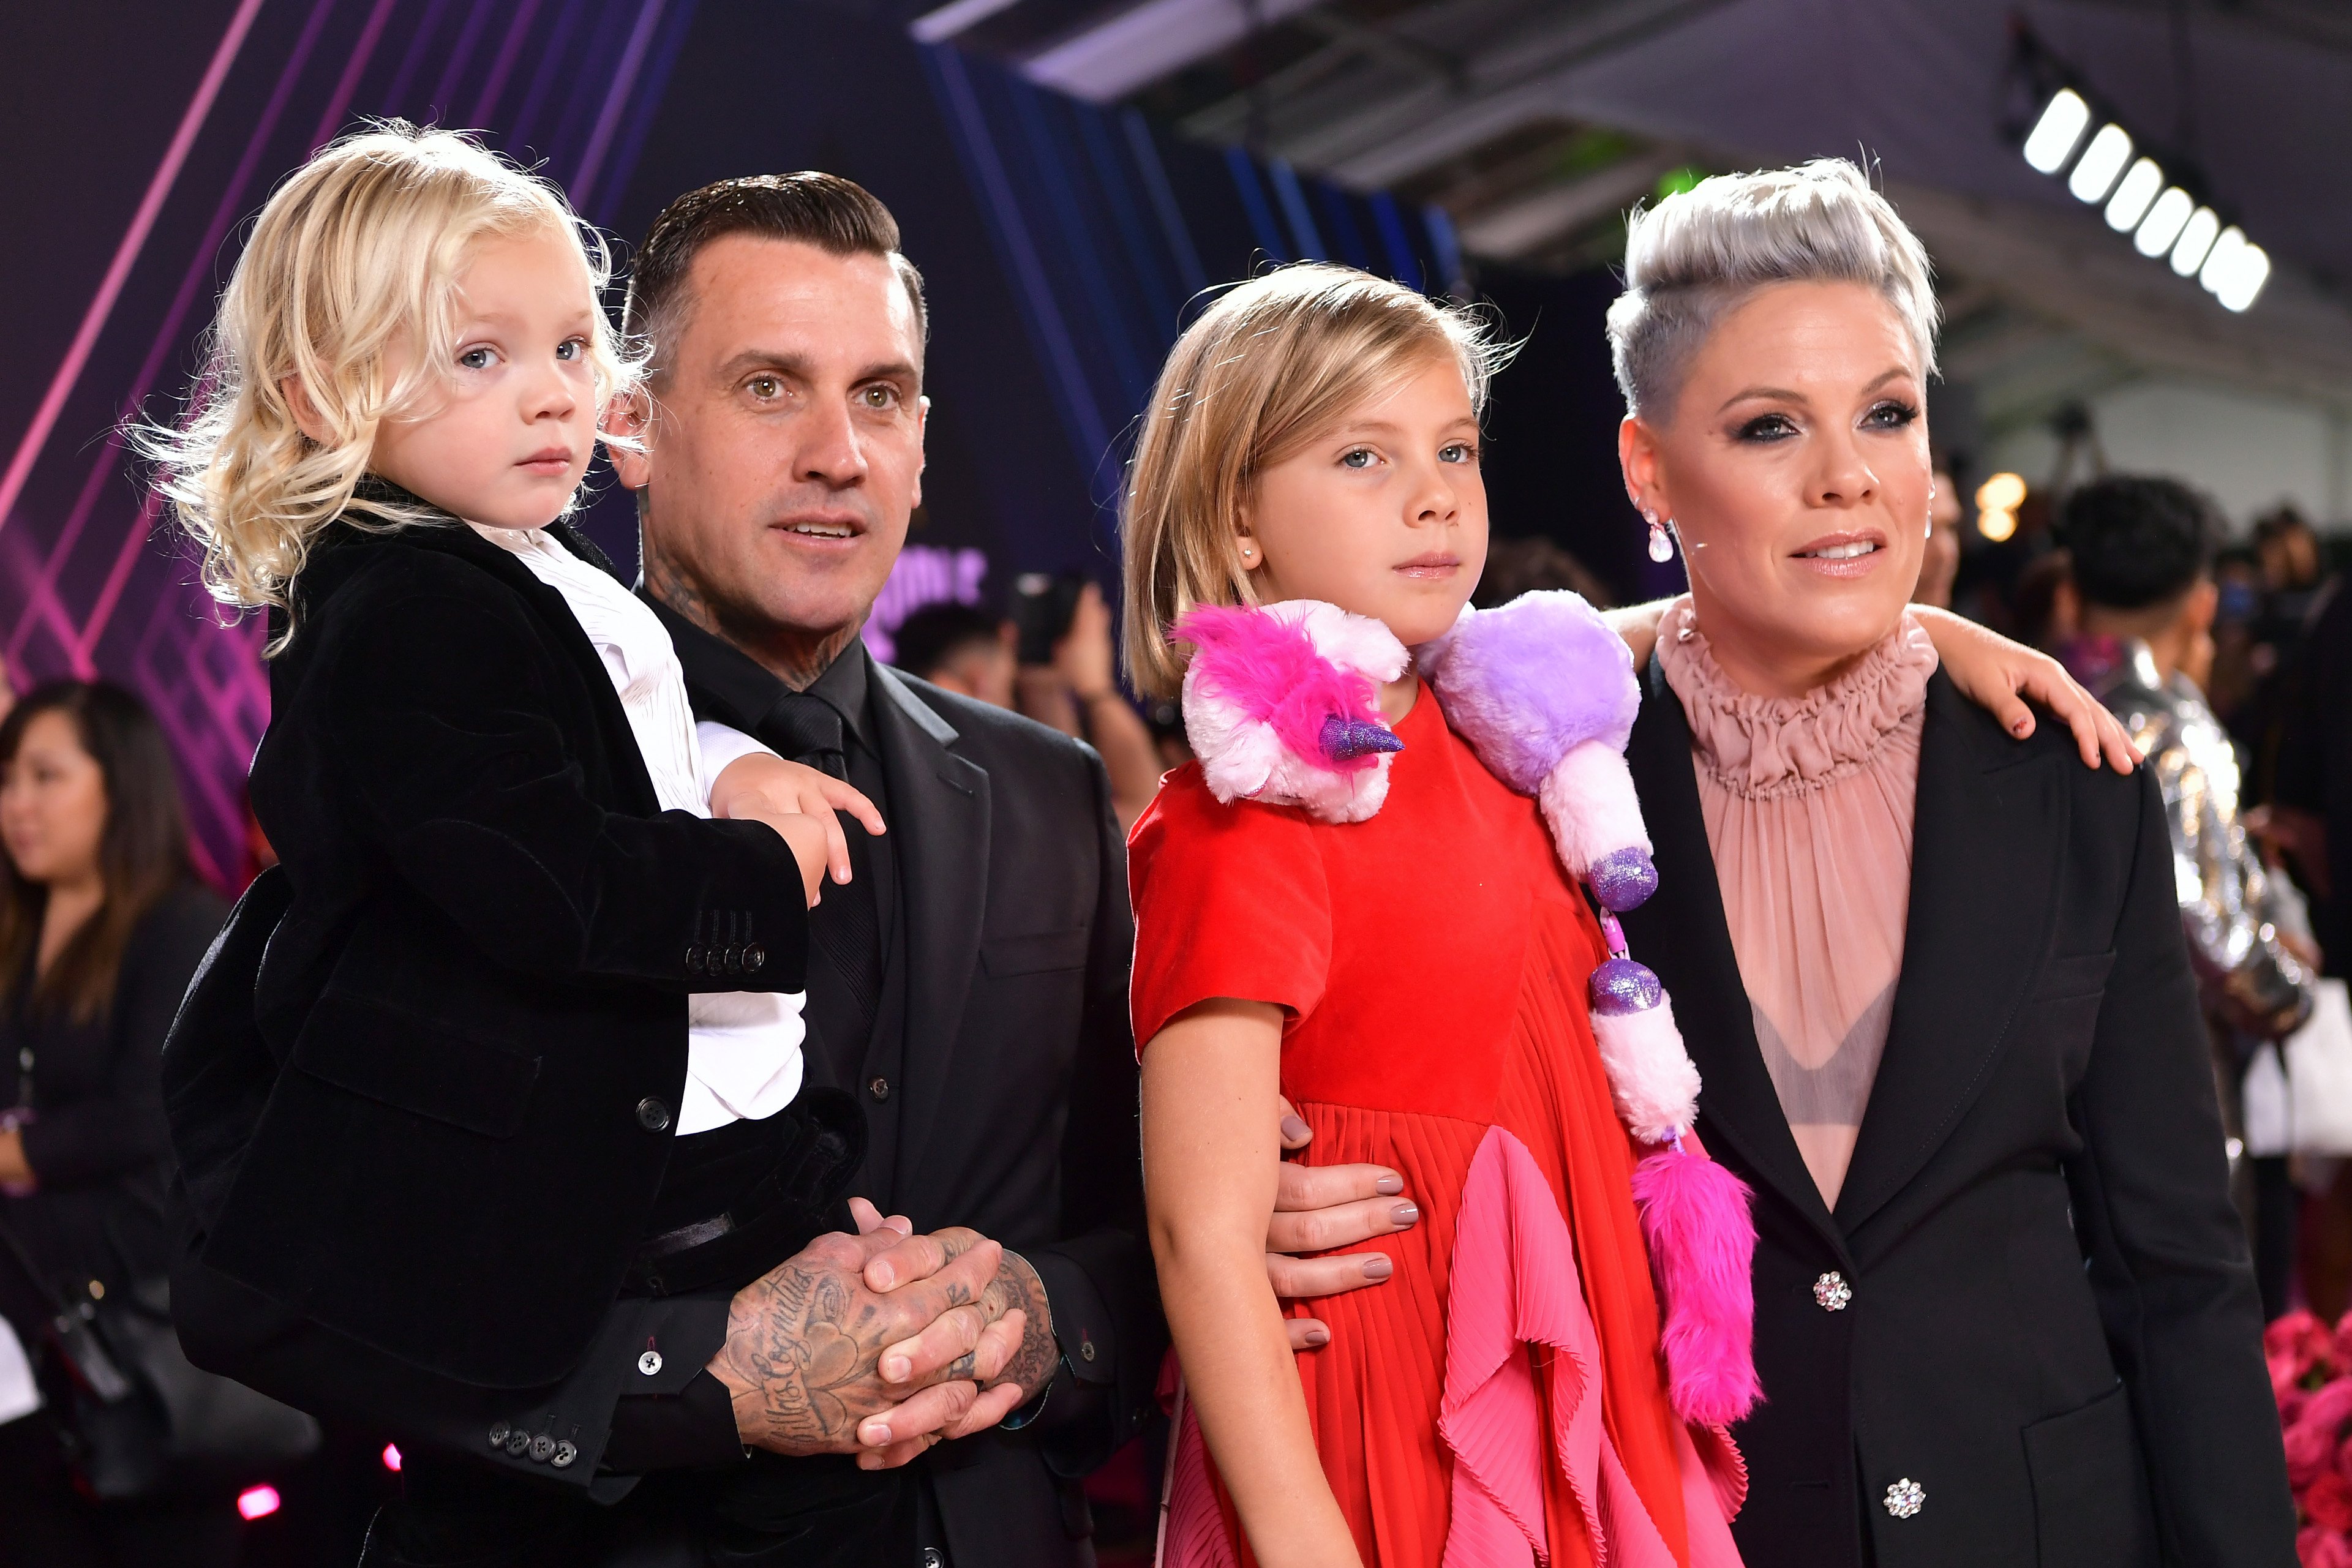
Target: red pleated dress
[[1501, 1399]]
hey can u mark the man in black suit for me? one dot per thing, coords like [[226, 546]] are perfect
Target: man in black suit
[[969, 985]]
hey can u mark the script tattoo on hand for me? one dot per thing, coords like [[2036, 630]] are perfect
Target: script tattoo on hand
[[802, 1345]]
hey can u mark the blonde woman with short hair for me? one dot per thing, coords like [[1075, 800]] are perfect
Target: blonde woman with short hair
[[1930, 968]]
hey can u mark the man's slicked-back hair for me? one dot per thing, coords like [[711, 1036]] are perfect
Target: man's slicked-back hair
[[837, 217]]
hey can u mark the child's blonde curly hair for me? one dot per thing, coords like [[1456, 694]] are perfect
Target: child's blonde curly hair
[[363, 244]]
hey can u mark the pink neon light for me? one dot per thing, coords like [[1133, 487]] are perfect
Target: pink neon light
[[592, 162], [257, 1503], [93, 321], [392, 1456]]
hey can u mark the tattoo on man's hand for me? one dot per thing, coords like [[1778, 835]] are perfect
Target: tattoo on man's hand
[[1017, 1285]]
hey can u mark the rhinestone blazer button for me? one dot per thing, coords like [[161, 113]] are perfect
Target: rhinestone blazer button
[[1831, 1292], [1906, 1498]]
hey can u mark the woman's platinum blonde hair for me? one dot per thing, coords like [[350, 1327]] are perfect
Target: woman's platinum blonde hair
[[362, 246], [1699, 253], [1264, 370]]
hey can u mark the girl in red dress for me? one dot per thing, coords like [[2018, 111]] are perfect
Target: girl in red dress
[[1342, 903]]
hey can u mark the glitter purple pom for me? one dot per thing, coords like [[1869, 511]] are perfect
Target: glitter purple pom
[[1345, 740], [1621, 986], [1623, 879]]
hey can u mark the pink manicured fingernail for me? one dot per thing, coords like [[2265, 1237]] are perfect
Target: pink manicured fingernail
[[1388, 1185], [1292, 1129], [1404, 1213], [1378, 1267], [1317, 1338]]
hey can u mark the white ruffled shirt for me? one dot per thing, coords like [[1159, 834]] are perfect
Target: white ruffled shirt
[[743, 1047]]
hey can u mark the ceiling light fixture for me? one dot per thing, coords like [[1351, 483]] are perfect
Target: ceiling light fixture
[[2165, 217], [2132, 198], [2051, 140], [2102, 161], [2197, 236]]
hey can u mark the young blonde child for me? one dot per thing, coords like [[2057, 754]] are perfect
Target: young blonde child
[[1341, 902], [533, 969]]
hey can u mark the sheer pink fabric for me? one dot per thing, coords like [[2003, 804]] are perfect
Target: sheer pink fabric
[[1809, 804]]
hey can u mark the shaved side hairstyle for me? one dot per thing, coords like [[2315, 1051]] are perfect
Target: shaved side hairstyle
[[837, 217]]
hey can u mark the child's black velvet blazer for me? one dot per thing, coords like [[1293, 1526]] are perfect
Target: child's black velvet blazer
[[475, 1002]]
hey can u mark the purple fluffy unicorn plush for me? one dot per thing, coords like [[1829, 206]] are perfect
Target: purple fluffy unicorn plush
[[1544, 692]]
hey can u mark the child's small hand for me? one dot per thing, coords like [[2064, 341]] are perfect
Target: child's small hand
[[764, 787]]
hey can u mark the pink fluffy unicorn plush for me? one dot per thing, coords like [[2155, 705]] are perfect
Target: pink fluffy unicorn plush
[[1281, 705]]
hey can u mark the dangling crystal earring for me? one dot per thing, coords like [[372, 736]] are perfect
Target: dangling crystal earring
[[1661, 543]]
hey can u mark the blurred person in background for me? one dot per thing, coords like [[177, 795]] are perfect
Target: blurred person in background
[[1077, 693], [958, 649], [101, 924], [1527, 566], [1940, 565], [2237, 606], [2048, 614], [2143, 555], [961, 648]]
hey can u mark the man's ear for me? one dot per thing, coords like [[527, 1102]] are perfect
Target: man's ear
[[630, 417], [2203, 602], [922, 453], [307, 417]]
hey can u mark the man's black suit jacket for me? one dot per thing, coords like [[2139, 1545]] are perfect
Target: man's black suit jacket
[[1018, 1087], [2052, 1329]]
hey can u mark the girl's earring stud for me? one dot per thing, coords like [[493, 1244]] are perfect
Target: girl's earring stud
[[1661, 543]]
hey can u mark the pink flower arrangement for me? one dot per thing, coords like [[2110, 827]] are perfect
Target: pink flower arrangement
[[2311, 1377]]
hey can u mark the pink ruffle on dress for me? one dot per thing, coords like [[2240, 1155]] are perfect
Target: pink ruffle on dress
[[1809, 804]]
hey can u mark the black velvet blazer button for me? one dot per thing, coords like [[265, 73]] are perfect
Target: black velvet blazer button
[[652, 1115]]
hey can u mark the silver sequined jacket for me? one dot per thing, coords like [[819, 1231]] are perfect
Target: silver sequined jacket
[[2245, 974]]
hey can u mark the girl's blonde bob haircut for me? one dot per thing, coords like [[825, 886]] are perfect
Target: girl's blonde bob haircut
[[365, 244], [1267, 368]]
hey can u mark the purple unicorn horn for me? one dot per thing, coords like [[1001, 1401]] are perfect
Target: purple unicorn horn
[[1345, 740]]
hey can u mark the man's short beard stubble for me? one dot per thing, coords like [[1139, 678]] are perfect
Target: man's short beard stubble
[[793, 654]]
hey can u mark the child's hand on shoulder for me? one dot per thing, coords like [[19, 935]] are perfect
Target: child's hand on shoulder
[[799, 803]]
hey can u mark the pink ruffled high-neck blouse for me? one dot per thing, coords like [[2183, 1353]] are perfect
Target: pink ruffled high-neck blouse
[[1809, 804]]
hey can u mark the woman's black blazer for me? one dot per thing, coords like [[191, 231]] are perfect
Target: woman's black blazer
[[2052, 1329], [476, 998]]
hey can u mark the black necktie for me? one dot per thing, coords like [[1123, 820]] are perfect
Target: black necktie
[[845, 926]]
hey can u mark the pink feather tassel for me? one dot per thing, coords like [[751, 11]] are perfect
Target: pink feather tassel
[[1694, 1216]]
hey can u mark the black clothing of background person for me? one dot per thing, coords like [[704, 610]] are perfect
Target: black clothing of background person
[[423, 1092], [1005, 939], [2052, 1328], [99, 1149]]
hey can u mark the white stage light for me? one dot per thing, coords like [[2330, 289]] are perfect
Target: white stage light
[[2129, 203], [2162, 225], [2054, 134], [2196, 238], [2222, 262], [2101, 162], [2246, 279]]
